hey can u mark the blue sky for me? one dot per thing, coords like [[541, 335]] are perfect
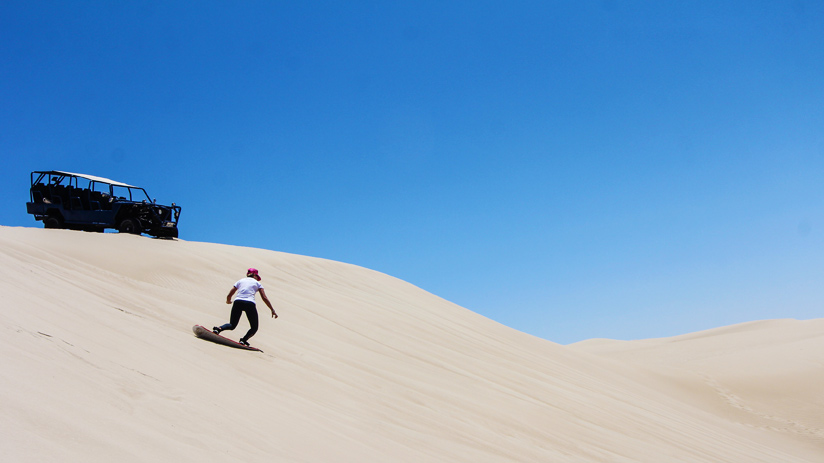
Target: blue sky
[[573, 169]]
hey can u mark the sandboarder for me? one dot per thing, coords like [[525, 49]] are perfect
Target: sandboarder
[[246, 288]]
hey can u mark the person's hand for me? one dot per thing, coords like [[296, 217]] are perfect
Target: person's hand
[[274, 315], [228, 301]]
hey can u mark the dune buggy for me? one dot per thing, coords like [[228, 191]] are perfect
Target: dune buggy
[[86, 202]]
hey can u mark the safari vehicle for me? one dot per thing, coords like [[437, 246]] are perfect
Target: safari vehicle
[[85, 202]]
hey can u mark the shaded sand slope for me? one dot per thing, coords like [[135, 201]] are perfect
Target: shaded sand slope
[[768, 374], [100, 364]]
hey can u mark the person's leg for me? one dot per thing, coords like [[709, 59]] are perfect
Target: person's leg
[[252, 315], [234, 318]]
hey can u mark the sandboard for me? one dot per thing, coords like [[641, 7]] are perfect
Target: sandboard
[[205, 333]]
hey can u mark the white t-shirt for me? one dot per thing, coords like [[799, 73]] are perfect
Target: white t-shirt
[[246, 289]]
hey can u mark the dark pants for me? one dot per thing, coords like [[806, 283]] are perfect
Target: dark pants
[[238, 307]]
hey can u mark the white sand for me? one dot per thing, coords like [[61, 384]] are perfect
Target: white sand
[[99, 364]]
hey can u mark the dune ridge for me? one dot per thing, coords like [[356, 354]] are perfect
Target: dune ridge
[[99, 364], [766, 373]]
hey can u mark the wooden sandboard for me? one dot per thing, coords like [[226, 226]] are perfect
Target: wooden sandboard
[[205, 333]]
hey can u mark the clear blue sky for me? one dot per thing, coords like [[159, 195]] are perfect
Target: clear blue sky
[[573, 169]]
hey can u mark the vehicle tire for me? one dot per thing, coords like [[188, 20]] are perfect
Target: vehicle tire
[[53, 221], [131, 226]]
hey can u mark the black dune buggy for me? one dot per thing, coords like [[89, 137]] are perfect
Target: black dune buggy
[[85, 202]]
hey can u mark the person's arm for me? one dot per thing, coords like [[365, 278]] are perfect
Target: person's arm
[[266, 300], [229, 296]]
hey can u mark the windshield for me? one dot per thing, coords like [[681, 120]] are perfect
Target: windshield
[[130, 194]]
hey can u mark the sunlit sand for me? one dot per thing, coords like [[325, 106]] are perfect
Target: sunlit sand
[[99, 364]]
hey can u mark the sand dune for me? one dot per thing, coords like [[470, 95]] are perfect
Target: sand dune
[[767, 374], [100, 364]]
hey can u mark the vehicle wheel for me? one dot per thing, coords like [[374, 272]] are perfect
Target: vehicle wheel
[[52, 222], [131, 226]]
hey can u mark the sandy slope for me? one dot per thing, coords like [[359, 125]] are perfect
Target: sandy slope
[[99, 364], [767, 374]]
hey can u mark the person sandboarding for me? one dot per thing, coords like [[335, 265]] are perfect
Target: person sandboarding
[[245, 290]]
